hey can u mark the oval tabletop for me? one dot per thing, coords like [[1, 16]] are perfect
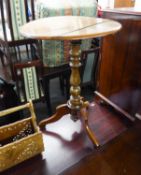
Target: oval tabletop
[[69, 28]]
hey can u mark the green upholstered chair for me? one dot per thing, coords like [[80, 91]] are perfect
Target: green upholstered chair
[[56, 53], [13, 14]]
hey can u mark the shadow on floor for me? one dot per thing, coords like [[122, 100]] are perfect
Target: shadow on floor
[[57, 98]]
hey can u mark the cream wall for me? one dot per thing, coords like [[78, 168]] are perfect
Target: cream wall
[[106, 3], [138, 4]]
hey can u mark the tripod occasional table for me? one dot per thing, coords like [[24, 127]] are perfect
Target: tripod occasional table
[[73, 28]]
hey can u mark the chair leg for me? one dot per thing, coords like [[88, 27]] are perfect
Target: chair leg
[[62, 84], [2, 58], [65, 84], [47, 94]]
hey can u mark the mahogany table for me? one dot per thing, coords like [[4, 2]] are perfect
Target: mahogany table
[[74, 28]]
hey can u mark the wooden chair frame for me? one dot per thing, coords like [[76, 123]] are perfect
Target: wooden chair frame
[[18, 73], [16, 43], [84, 59]]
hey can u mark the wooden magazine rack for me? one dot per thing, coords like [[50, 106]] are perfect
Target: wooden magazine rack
[[20, 140]]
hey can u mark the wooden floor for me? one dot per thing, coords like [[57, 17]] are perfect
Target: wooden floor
[[68, 151], [119, 157]]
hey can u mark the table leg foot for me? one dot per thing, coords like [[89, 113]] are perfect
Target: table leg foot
[[61, 110], [84, 114]]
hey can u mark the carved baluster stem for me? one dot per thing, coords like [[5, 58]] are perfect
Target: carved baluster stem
[[75, 101]]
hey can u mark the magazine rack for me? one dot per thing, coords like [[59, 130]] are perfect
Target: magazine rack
[[20, 140]]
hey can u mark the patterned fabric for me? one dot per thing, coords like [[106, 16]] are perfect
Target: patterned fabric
[[56, 53], [18, 16], [30, 81]]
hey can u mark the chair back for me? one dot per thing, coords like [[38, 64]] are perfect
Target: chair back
[[28, 76], [13, 14], [55, 53], [89, 66]]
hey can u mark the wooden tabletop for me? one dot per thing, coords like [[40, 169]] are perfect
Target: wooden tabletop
[[69, 28]]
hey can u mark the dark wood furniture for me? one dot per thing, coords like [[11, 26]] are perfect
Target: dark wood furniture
[[120, 64]]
